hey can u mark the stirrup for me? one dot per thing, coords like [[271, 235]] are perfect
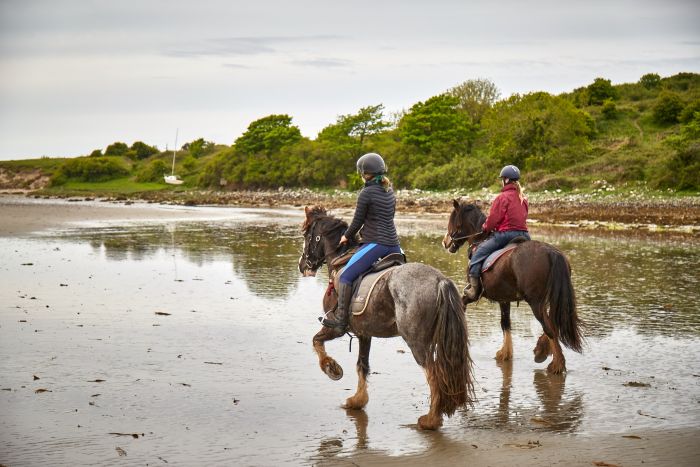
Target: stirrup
[[332, 324]]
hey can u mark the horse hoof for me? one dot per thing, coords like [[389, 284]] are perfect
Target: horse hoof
[[541, 357], [502, 356], [556, 369], [333, 370], [428, 422]]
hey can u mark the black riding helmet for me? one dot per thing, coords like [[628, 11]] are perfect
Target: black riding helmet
[[510, 172], [371, 163]]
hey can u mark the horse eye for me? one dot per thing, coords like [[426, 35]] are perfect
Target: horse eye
[[318, 238]]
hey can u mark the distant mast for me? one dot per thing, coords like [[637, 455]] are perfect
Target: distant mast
[[174, 151], [172, 178]]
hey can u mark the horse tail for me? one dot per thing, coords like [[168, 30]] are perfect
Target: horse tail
[[449, 364], [561, 300]]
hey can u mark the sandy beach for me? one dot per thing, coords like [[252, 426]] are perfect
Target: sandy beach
[[140, 356]]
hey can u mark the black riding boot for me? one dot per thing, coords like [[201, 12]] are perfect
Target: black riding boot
[[342, 313], [472, 291]]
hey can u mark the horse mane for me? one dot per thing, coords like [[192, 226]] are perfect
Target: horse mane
[[471, 214], [328, 222]]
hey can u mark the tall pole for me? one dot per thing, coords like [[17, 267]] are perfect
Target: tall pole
[[174, 151]]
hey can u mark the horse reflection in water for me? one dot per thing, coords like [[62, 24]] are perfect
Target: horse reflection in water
[[534, 272], [554, 410], [414, 301]]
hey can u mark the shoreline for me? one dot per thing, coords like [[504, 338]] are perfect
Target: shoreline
[[580, 211]]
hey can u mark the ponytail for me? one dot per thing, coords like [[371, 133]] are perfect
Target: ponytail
[[520, 190], [382, 180]]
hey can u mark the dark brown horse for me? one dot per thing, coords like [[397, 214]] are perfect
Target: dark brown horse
[[534, 272], [414, 301]]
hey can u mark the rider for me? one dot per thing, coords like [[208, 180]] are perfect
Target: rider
[[507, 219], [374, 213]]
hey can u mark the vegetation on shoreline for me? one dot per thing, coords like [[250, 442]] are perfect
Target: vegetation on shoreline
[[644, 134]]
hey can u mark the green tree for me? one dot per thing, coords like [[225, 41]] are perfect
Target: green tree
[[268, 135], [92, 169], [96, 153], [141, 150], [609, 110], [117, 149], [153, 171], [667, 108], [537, 130], [475, 96], [437, 128], [683, 168], [600, 90], [650, 81], [198, 147]]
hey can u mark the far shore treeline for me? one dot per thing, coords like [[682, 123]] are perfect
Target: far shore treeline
[[646, 132]]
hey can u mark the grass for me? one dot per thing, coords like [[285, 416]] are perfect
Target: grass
[[124, 185]]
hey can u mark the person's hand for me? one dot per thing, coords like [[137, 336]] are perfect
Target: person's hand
[[343, 240]]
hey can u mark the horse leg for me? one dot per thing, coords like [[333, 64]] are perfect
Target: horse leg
[[328, 365], [360, 398], [558, 363], [433, 419], [548, 343], [506, 352]]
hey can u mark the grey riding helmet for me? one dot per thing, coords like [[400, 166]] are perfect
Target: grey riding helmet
[[510, 172], [371, 163]]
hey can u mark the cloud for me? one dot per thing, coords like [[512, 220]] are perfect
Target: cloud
[[322, 63], [241, 46]]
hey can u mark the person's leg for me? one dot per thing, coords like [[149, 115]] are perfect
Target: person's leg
[[472, 291], [359, 263]]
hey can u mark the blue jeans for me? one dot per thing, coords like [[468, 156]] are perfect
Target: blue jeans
[[495, 242], [363, 259]]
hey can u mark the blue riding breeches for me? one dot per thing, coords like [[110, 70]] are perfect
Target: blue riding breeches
[[363, 259], [495, 242]]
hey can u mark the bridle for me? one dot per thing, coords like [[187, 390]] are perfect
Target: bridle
[[313, 240], [310, 248]]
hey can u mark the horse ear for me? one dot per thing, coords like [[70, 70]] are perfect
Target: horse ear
[[455, 203], [307, 211]]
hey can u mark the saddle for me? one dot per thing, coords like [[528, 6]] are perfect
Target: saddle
[[363, 286], [496, 255]]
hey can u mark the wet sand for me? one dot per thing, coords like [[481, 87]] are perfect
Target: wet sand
[[200, 387]]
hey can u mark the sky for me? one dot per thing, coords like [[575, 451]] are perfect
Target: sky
[[79, 75]]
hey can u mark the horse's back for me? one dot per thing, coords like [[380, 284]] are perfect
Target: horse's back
[[530, 264]]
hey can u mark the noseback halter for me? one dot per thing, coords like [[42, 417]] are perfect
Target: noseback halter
[[313, 240]]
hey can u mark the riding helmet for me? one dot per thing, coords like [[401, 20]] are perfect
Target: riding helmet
[[510, 172], [371, 163]]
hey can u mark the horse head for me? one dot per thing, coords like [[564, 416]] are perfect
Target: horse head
[[465, 224], [321, 236]]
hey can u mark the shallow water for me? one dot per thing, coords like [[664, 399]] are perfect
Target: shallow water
[[229, 375]]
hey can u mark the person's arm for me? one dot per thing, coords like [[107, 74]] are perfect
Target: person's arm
[[496, 214], [360, 212]]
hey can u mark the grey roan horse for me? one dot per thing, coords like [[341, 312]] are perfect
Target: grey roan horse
[[414, 301]]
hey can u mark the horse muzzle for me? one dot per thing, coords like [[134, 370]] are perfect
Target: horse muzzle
[[309, 273]]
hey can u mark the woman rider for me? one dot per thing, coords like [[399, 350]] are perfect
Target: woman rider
[[507, 219], [374, 214]]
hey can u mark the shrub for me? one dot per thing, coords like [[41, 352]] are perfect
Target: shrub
[[667, 109], [91, 169], [609, 110], [650, 81], [142, 150], [117, 149], [153, 171], [600, 90]]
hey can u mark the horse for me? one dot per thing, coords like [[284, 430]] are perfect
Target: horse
[[414, 301], [534, 272]]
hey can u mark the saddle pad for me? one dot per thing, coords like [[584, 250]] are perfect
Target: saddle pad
[[364, 290], [493, 257]]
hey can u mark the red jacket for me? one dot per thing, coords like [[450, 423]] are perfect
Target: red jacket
[[507, 211]]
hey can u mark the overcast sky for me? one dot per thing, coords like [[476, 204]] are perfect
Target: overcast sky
[[78, 75]]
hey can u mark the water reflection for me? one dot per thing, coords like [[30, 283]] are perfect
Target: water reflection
[[648, 282]]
